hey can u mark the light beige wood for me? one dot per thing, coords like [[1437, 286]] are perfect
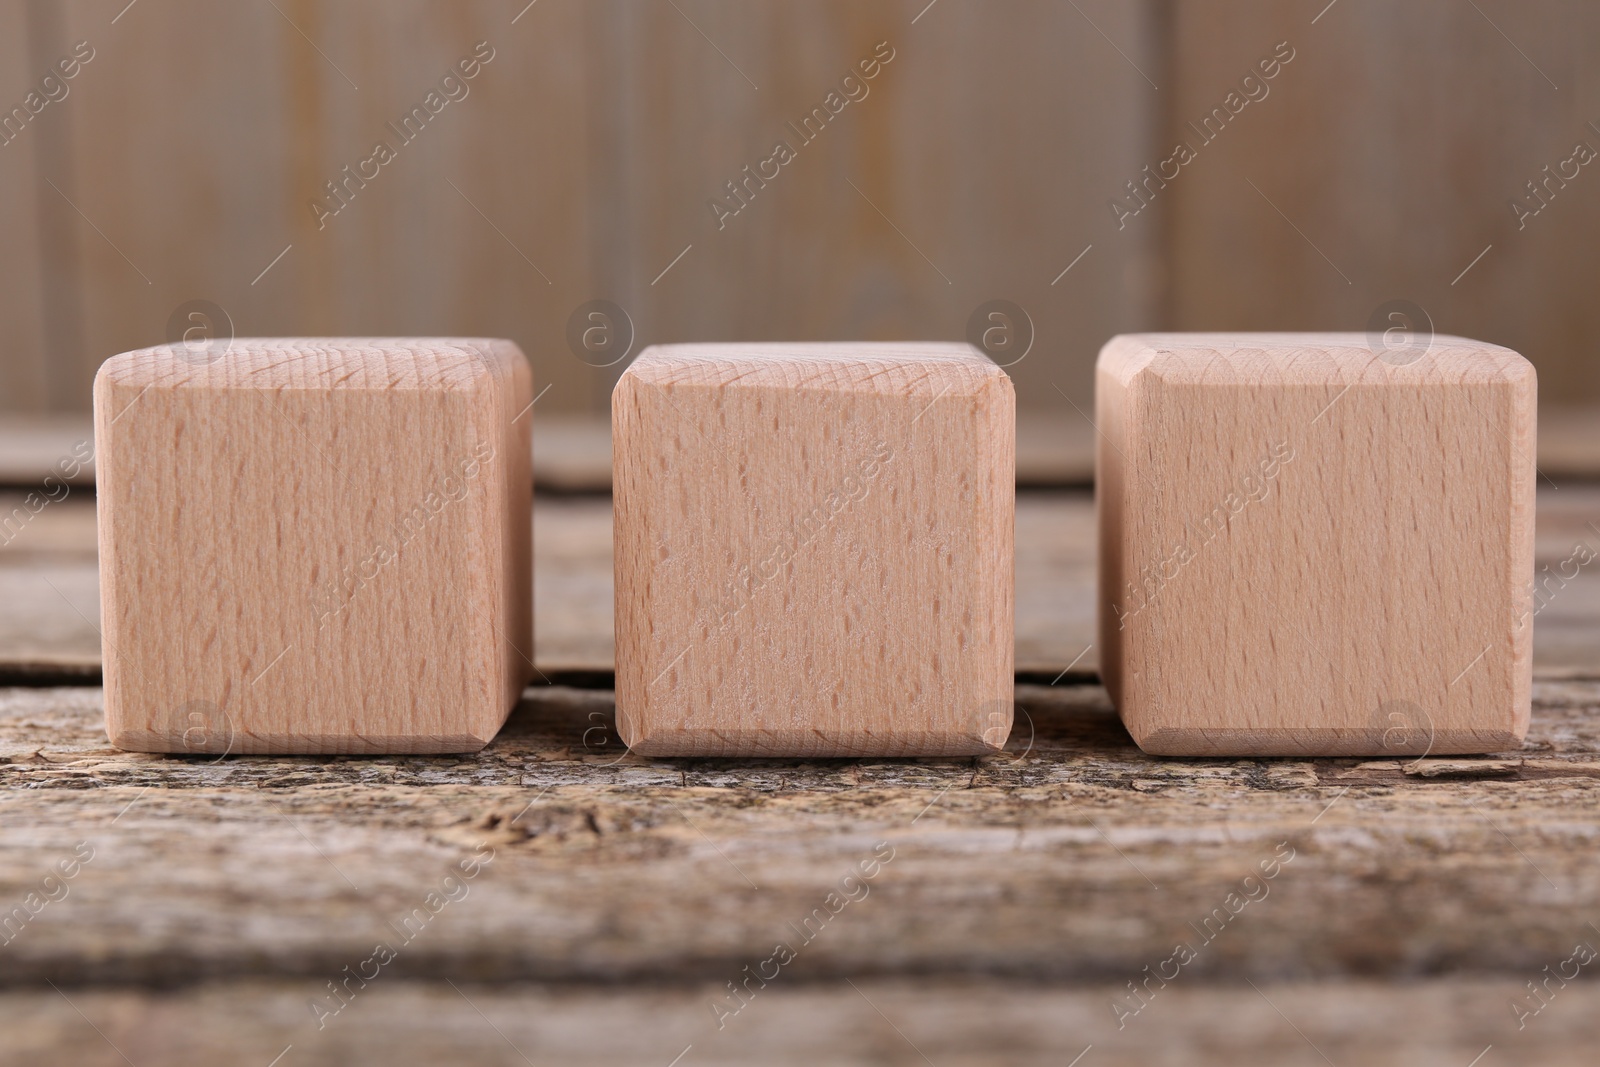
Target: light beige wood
[[1309, 549], [572, 453], [814, 550], [314, 545], [48, 577]]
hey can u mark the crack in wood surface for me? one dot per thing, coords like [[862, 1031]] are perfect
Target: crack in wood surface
[[1080, 860]]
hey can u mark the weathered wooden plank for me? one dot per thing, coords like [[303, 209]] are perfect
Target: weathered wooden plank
[[1055, 449], [48, 572], [36, 447], [572, 453], [1565, 601], [1072, 856], [51, 627], [572, 585], [955, 1022], [1055, 585], [1569, 442], [50, 582]]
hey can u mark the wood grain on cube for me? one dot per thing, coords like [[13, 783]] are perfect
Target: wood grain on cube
[[314, 545], [1313, 546], [814, 550]]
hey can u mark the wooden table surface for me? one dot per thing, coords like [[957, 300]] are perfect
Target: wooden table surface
[[613, 898]]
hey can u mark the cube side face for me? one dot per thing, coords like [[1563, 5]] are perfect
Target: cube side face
[[513, 414], [814, 571], [309, 565], [1327, 568], [1119, 360]]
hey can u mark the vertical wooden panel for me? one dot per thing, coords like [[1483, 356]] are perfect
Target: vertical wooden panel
[[580, 165], [1383, 161], [24, 384], [479, 226], [1390, 149], [217, 126], [976, 167], [173, 150]]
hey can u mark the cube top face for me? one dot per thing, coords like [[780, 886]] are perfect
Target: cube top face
[[382, 364], [1309, 359], [1308, 549], [314, 544], [879, 367], [814, 550]]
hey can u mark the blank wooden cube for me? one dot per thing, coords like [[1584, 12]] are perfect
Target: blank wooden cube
[[814, 548], [1310, 546], [315, 544]]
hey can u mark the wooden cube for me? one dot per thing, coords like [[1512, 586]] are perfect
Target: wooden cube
[[1309, 547], [814, 548], [315, 544]]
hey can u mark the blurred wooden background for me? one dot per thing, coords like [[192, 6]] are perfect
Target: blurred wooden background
[[1381, 164]]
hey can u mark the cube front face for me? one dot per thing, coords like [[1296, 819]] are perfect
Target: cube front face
[[814, 550], [315, 545], [1309, 550]]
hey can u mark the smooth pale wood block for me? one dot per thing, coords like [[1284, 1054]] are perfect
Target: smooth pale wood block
[[315, 544], [1306, 549], [814, 550]]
